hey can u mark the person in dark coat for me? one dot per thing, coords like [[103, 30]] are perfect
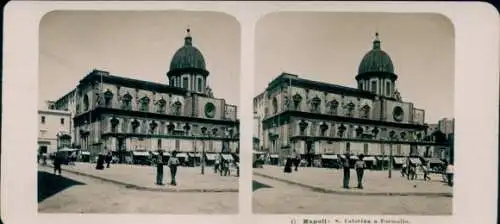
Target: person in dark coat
[[159, 168], [347, 171], [109, 157], [100, 162], [288, 165], [360, 167], [58, 160], [173, 163], [297, 162]]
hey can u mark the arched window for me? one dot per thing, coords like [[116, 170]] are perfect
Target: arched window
[[144, 104], [108, 99], [341, 131], [86, 103], [127, 102], [200, 84], [302, 127], [315, 103], [323, 128], [214, 131], [403, 135], [203, 130], [332, 107], [297, 99], [114, 124], [388, 89], [135, 126], [375, 132], [365, 112], [152, 127], [359, 131], [161, 105], [185, 82], [177, 108], [170, 128], [186, 128], [350, 109]]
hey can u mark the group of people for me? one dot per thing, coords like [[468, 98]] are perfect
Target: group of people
[[410, 170], [172, 163], [359, 166], [294, 161], [101, 159], [223, 166]]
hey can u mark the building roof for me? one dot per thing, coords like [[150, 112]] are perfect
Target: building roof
[[376, 60], [188, 56]]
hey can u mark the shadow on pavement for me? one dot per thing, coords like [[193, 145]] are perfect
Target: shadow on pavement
[[258, 185], [50, 184]]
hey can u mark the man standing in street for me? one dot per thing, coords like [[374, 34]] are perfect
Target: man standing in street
[[172, 163], [159, 168], [360, 166]]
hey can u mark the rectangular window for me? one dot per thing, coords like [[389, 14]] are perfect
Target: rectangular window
[[185, 82], [366, 149], [62, 120], [374, 86], [159, 143], [43, 119]]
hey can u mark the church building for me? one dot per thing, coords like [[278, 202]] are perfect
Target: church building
[[115, 113], [315, 120]]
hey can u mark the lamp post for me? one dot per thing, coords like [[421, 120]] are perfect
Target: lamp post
[[203, 159], [391, 138]]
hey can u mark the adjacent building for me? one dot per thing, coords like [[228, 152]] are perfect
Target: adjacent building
[[54, 129], [115, 113], [296, 115]]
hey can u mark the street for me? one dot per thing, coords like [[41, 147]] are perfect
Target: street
[[271, 196], [77, 194]]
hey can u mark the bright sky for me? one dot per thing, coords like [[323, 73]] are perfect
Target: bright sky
[[329, 47], [137, 45]]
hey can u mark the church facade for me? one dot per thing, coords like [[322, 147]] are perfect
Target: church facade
[[114, 113], [295, 115]]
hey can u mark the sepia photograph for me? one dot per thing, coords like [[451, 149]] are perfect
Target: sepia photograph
[[135, 114], [353, 114]]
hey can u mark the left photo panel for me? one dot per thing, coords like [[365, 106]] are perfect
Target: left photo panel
[[138, 112]]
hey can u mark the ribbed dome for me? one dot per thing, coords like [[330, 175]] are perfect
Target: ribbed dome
[[376, 60], [188, 56]]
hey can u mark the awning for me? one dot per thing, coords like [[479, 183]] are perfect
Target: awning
[[210, 156], [383, 158], [85, 152], [181, 154], [353, 157], [415, 161], [399, 160], [274, 156], [154, 153], [227, 157], [326, 156], [257, 152], [369, 158], [140, 153], [67, 150], [194, 154], [434, 160]]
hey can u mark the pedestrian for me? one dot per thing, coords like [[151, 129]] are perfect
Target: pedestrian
[[425, 170], [449, 174], [347, 171], [360, 167], [297, 162], [159, 168], [58, 160], [227, 171], [173, 163], [109, 157], [217, 164], [288, 165], [100, 162], [404, 169]]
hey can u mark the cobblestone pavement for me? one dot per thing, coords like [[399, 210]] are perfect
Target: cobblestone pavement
[[280, 198], [373, 181], [188, 178], [88, 195]]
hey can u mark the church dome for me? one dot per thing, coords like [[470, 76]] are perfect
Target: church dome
[[188, 56], [376, 60]]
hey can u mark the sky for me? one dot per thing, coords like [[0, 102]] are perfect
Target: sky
[[137, 45], [329, 46]]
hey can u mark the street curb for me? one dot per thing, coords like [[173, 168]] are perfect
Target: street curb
[[330, 191], [141, 188]]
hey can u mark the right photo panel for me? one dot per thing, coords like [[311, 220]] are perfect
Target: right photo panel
[[353, 114]]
